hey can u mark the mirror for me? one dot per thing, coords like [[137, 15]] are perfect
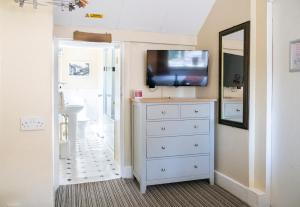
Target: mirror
[[234, 56]]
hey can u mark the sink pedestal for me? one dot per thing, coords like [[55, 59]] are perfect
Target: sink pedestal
[[71, 111], [72, 132]]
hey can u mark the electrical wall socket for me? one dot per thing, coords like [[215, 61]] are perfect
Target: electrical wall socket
[[32, 123]]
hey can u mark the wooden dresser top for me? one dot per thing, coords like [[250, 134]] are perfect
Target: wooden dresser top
[[171, 100]]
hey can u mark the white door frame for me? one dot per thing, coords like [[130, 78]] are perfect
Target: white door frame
[[123, 169], [269, 99], [55, 110], [55, 124]]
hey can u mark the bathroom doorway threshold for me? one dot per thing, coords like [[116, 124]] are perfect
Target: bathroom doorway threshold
[[93, 162]]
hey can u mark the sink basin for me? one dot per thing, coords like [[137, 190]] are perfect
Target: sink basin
[[72, 109]]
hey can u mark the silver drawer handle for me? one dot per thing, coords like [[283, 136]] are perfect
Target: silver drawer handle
[[196, 145], [163, 169], [163, 128], [195, 126], [163, 147], [195, 166]]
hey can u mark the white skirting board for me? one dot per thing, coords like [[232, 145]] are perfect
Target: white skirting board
[[127, 172], [252, 197]]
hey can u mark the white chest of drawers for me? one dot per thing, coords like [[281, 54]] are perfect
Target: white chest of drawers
[[232, 110], [173, 140]]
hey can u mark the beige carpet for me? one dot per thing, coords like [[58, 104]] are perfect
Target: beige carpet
[[120, 192]]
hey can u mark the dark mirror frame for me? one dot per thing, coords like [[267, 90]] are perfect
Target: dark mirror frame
[[246, 27]]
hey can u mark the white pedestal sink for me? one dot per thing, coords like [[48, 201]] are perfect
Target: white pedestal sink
[[72, 111]]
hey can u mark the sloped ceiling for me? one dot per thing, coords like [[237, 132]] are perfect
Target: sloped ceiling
[[162, 16]]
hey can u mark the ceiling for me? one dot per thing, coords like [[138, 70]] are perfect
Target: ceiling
[[162, 16]]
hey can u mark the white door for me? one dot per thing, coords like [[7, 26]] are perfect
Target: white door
[[108, 97]]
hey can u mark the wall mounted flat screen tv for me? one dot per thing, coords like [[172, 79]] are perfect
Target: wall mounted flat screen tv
[[233, 70], [177, 68]]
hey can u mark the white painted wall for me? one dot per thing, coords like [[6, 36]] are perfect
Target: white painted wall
[[66, 32], [26, 175], [258, 95], [231, 148], [285, 186]]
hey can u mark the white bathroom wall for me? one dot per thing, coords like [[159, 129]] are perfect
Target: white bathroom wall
[[90, 55], [82, 90]]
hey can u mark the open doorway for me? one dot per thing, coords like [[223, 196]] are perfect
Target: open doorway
[[89, 111]]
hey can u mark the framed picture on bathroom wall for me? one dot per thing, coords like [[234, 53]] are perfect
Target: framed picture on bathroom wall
[[79, 69], [295, 56]]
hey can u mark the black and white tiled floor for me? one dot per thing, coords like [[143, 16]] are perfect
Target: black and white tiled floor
[[92, 162]]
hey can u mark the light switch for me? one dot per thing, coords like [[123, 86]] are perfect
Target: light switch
[[32, 123]]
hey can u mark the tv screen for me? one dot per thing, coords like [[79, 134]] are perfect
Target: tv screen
[[233, 70], [177, 68]]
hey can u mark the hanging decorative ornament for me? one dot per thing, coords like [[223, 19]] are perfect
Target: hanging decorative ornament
[[64, 4], [35, 3], [82, 3]]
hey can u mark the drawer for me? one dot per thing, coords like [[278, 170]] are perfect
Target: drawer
[[233, 110], [178, 167], [195, 127], [162, 112], [182, 145], [177, 128], [165, 128], [195, 111]]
